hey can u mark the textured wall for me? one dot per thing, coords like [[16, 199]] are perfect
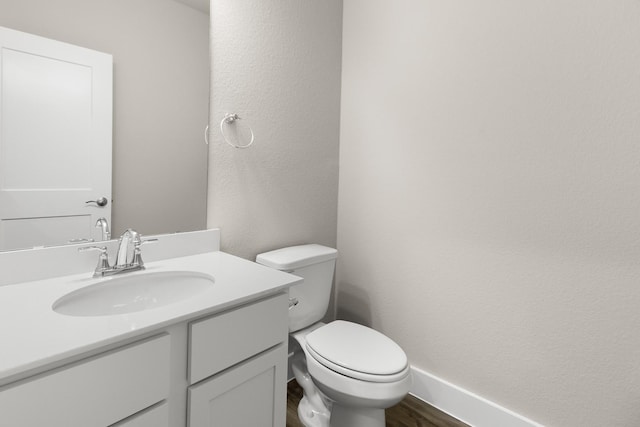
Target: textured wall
[[161, 87], [489, 208], [276, 64]]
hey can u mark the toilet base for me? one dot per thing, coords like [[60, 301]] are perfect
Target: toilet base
[[313, 409], [356, 417], [309, 415]]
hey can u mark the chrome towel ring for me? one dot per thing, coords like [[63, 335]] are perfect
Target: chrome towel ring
[[230, 119]]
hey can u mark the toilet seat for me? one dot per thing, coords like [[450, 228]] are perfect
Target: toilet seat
[[357, 352]]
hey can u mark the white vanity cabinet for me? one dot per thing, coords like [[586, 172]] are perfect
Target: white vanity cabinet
[[221, 349], [227, 369], [238, 366]]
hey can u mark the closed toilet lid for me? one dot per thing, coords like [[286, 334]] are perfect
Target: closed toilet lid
[[356, 348]]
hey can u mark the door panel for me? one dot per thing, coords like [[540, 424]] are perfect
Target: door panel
[[55, 140]]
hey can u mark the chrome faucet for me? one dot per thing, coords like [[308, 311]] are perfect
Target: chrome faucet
[[128, 257], [128, 243], [104, 225]]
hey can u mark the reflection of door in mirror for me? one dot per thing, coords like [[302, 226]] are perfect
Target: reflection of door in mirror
[[55, 140]]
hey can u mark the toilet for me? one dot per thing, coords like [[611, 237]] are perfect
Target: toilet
[[349, 373]]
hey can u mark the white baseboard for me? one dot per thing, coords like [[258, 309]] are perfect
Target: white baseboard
[[462, 404]]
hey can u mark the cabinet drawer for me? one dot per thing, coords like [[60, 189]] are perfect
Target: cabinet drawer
[[225, 339], [95, 392]]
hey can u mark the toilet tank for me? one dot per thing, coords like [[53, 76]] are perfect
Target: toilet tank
[[315, 264]]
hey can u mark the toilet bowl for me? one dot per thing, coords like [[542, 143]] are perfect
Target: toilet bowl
[[358, 383], [349, 373]]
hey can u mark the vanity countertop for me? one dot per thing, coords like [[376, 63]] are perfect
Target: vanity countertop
[[34, 336]]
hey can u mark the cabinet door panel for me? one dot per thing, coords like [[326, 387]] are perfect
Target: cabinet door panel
[[250, 394], [92, 393]]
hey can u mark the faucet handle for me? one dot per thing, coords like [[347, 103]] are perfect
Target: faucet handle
[[137, 253], [103, 260], [144, 241], [102, 249]]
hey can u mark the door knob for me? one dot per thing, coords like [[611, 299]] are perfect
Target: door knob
[[102, 201]]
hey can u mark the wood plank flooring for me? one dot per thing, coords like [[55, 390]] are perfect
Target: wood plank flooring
[[411, 412]]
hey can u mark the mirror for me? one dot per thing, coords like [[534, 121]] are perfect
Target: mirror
[[160, 52]]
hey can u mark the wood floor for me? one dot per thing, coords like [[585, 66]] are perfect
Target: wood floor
[[411, 412]]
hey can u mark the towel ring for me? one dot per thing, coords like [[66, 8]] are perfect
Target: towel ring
[[230, 119]]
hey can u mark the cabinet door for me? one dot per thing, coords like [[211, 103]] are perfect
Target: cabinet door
[[252, 393]]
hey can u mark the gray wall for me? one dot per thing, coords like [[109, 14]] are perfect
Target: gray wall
[[161, 87], [276, 63], [489, 210]]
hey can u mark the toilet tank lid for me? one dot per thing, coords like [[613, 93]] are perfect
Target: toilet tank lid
[[295, 257]]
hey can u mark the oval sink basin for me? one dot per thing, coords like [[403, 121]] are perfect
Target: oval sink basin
[[128, 294]]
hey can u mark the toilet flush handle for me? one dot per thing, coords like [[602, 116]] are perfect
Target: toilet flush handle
[[293, 302]]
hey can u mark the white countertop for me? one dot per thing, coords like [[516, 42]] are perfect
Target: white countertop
[[33, 336]]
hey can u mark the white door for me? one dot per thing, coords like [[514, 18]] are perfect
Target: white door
[[55, 140]]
